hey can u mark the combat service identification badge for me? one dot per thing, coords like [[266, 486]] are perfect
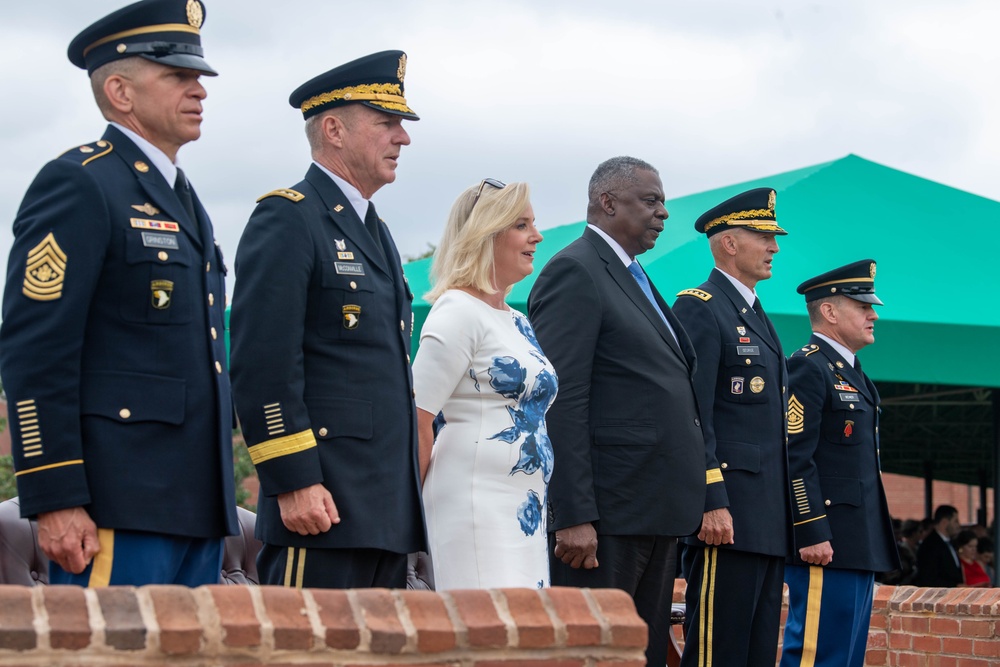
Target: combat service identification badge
[[757, 384], [352, 315], [45, 271], [163, 291], [848, 428]]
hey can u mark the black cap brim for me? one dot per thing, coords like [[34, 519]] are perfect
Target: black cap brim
[[865, 298], [185, 60]]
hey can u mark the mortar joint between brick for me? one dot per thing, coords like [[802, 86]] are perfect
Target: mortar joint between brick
[[95, 616], [403, 613], [364, 632], [40, 620], [312, 613], [595, 610], [266, 624], [558, 625], [461, 629], [209, 620], [147, 612], [503, 611]]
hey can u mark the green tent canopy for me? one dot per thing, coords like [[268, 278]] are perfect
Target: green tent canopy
[[938, 337]]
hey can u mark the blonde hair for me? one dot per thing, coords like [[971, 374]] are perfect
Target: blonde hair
[[464, 258]]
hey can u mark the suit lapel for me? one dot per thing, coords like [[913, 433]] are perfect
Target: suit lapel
[[626, 281], [344, 217], [160, 193], [846, 371], [744, 312]]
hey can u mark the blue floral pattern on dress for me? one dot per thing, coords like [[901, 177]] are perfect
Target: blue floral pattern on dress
[[475, 380], [524, 326], [529, 514], [507, 377]]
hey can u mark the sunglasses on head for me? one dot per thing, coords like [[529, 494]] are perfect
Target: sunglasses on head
[[499, 185]]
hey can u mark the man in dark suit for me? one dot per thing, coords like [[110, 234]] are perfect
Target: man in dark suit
[[321, 325], [937, 560], [629, 470], [843, 531], [111, 348], [735, 563]]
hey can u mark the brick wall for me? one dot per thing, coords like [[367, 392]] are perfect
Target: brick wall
[[63, 626]]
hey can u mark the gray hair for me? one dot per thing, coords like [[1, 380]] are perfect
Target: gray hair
[[615, 174], [125, 67]]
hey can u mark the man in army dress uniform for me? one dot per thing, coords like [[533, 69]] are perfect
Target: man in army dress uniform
[[843, 531], [734, 565], [111, 348], [321, 326]]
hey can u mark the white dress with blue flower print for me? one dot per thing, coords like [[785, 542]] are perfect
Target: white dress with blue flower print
[[481, 371]]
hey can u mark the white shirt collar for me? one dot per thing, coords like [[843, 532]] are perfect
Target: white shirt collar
[[748, 294], [354, 197], [622, 255], [155, 155], [841, 350]]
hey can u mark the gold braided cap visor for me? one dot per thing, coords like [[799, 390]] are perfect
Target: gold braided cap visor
[[385, 95], [759, 219], [145, 30]]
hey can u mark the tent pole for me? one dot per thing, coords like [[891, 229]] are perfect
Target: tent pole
[[929, 489]]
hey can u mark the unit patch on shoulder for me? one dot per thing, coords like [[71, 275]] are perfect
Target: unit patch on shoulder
[[701, 294], [796, 415], [287, 193], [45, 271]]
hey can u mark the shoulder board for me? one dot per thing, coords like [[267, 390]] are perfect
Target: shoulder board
[[89, 152], [287, 193], [701, 294], [806, 351]]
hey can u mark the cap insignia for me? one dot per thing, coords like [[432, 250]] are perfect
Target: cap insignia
[[401, 70], [770, 201], [195, 13], [871, 271]]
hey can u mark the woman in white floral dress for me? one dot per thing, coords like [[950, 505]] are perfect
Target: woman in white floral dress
[[482, 389]]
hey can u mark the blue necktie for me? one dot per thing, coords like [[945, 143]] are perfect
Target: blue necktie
[[640, 277]]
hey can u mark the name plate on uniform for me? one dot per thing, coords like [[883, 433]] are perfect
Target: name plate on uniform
[[747, 349], [349, 268], [848, 397], [154, 240]]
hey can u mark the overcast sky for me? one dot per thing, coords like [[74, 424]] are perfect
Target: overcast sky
[[710, 92]]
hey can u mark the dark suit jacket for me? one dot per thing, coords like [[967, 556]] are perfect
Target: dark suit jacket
[[119, 396], [833, 460], [740, 382], [321, 326], [936, 566], [629, 453]]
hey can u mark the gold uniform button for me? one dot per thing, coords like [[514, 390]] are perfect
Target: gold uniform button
[[354, 285], [162, 255], [724, 466], [124, 413], [215, 334], [407, 358], [322, 432], [851, 406], [218, 366], [748, 362], [208, 267], [826, 502], [402, 325], [211, 299]]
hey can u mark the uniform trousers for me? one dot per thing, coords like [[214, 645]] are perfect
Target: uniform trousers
[[733, 607], [136, 558], [299, 567], [642, 566], [829, 612]]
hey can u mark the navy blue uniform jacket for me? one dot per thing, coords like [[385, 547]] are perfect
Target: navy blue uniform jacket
[[833, 458], [321, 327], [112, 350], [625, 429], [740, 382]]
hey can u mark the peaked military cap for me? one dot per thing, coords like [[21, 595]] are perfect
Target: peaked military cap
[[855, 281], [753, 210], [375, 81], [163, 31]]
